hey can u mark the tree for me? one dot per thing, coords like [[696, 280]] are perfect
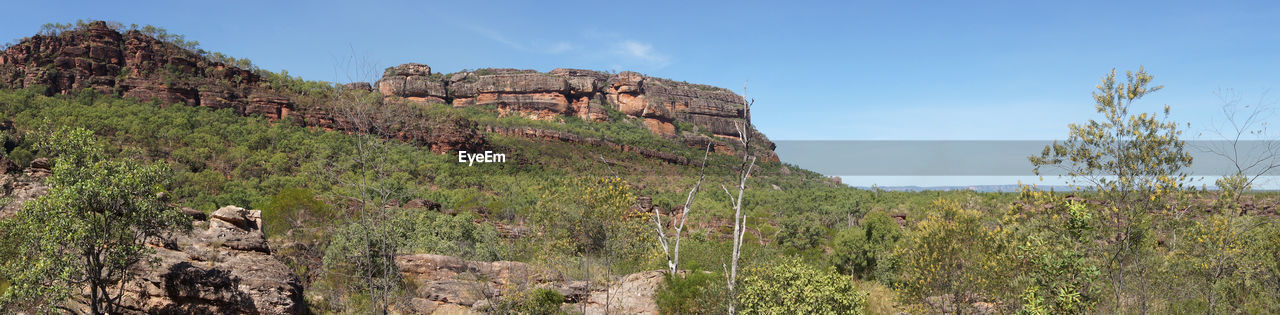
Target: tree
[[670, 248], [862, 250], [791, 286], [953, 253], [1215, 249], [369, 180], [90, 229], [739, 219], [1132, 161]]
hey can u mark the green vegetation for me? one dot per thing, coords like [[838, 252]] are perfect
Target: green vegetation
[[793, 286], [89, 229], [696, 292], [1137, 241], [865, 250]]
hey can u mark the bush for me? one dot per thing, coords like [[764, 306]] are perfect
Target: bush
[[290, 208], [801, 232], [537, 301], [593, 216], [953, 253], [862, 251], [791, 286], [696, 292], [442, 234]]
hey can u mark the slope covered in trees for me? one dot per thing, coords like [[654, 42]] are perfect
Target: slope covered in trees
[[355, 210]]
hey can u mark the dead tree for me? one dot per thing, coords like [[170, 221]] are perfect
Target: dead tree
[[739, 219], [372, 122], [672, 249]]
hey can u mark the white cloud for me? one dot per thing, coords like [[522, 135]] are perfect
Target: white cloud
[[640, 51], [560, 47]]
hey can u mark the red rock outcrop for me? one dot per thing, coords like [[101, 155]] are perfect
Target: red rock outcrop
[[659, 103], [133, 64]]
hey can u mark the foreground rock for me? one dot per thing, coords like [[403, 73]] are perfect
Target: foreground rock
[[448, 285], [222, 267]]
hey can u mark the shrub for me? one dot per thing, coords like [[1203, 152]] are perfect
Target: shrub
[[695, 292], [792, 286], [862, 251], [801, 232], [438, 233], [290, 208], [953, 252], [537, 301]]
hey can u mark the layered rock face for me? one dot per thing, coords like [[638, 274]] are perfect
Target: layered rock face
[[574, 92], [448, 285], [133, 64], [223, 266]]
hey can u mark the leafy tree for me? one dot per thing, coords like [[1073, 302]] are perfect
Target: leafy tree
[[593, 215], [90, 228], [1055, 254], [290, 208], [952, 252], [1133, 161], [863, 250], [801, 232], [792, 286]]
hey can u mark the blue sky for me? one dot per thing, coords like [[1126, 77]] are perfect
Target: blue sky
[[818, 70]]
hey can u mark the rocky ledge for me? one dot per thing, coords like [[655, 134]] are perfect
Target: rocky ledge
[[134, 64], [574, 92], [448, 285], [223, 266]]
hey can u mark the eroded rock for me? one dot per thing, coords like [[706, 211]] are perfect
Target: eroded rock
[[223, 266]]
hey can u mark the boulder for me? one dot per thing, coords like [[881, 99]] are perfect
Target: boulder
[[450, 283], [7, 165], [196, 273], [633, 294], [42, 164], [20, 190]]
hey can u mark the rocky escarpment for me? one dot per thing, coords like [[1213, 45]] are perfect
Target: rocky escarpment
[[223, 266], [574, 92], [134, 64]]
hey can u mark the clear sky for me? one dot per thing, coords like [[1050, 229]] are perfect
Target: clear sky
[[818, 70]]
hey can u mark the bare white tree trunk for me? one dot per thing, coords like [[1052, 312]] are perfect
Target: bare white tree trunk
[[673, 252], [739, 219]]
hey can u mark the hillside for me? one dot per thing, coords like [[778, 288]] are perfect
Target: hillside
[[243, 190], [243, 136]]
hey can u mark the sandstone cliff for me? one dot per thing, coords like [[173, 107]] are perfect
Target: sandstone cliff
[[133, 64], [575, 92]]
